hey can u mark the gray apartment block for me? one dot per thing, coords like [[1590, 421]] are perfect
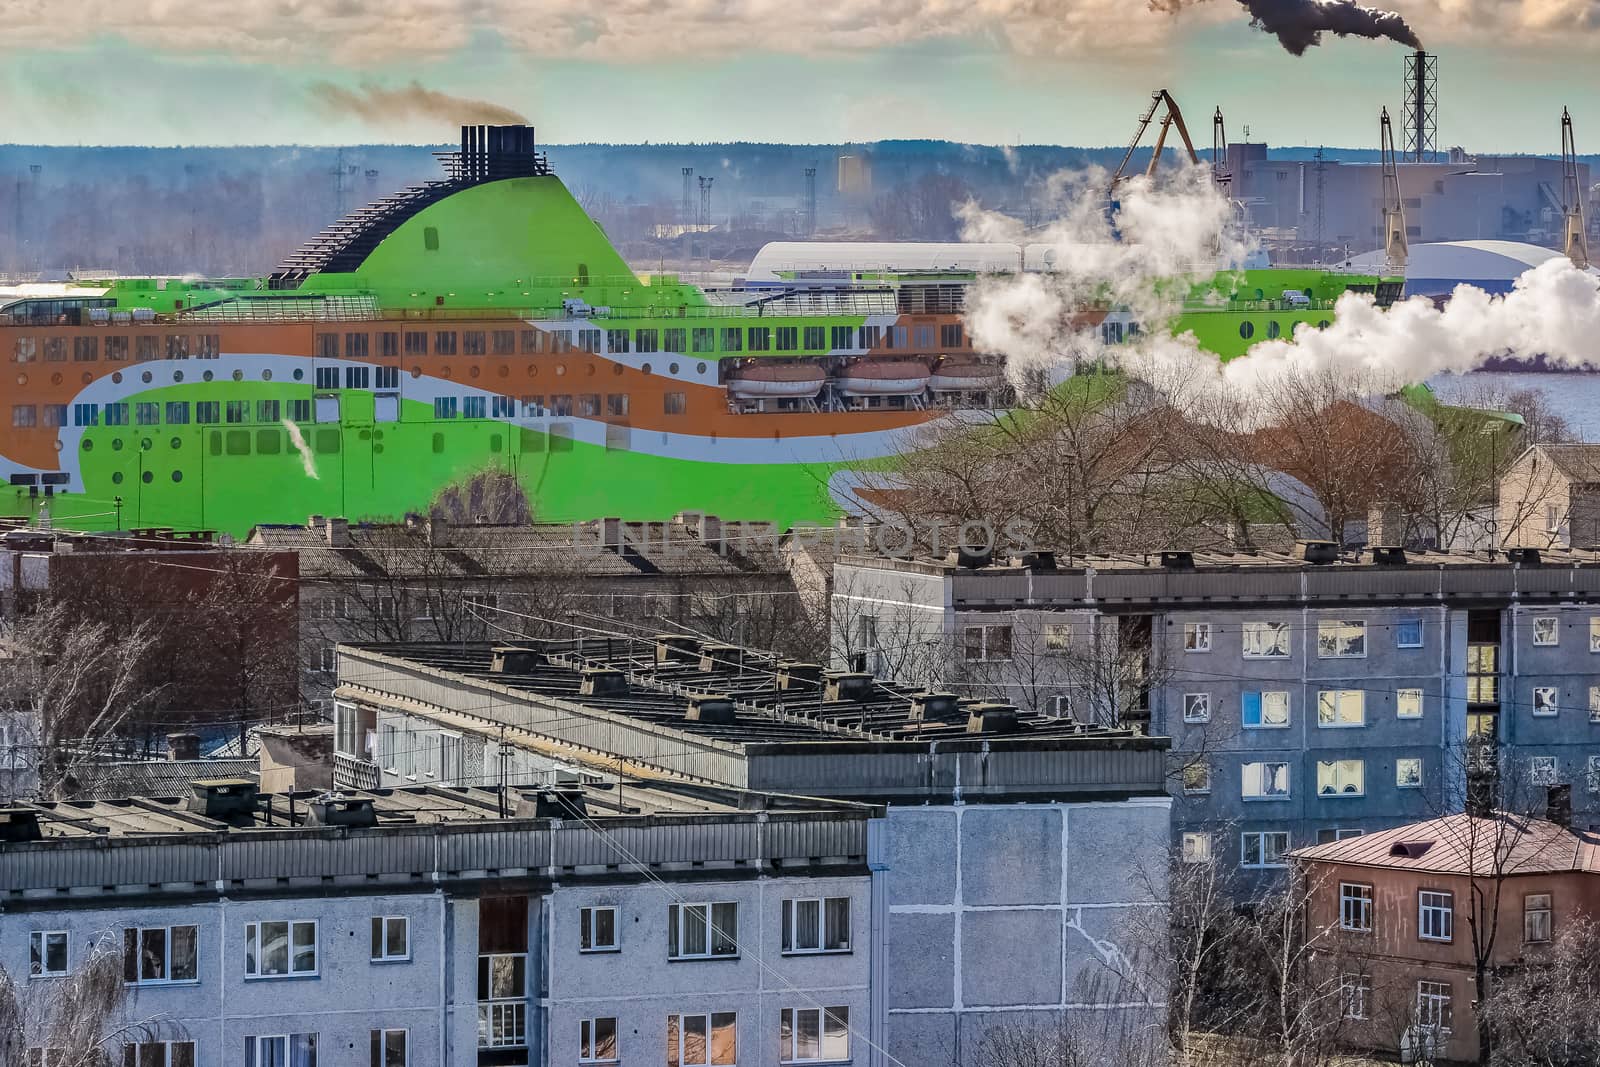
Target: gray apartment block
[[1305, 700], [1020, 866]]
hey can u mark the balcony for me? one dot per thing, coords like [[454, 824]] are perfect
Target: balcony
[[354, 773]]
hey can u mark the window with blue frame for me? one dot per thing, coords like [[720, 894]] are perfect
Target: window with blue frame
[[474, 407], [1408, 633]]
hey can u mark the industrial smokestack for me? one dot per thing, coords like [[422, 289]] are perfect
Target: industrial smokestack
[[1300, 24]]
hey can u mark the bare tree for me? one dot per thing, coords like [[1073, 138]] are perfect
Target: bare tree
[[73, 1021], [1544, 1013]]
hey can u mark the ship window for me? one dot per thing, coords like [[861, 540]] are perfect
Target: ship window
[[474, 407], [444, 343], [267, 410], [589, 341], [238, 442], [473, 343], [842, 337], [617, 340], [1273, 329], [416, 342], [55, 349], [760, 338], [704, 339], [56, 415], [617, 405], [26, 347], [238, 410], [1323, 324], [148, 477], [146, 349], [444, 407], [116, 414], [327, 377], [788, 338], [268, 442], [86, 415], [117, 348], [210, 345], [1247, 329], [561, 341], [505, 342], [207, 412], [924, 337], [898, 337], [815, 337], [178, 412], [177, 346], [355, 377], [299, 411], [146, 414], [731, 338], [672, 403], [869, 336], [386, 377], [389, 343], [430, 238], [502, 407], [672, 340], [327, 441], [532, 407], [85, 349], [950, 335], [355, 346], [645, 341], [561, 404], [588, 404]]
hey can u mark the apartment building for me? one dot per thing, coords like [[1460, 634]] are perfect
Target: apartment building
[[1019, 868], [1402, 916], [450, 926], [1549, 497], [1309, 696]]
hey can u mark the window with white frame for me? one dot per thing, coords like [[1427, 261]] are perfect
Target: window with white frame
[[1329, 834], [1546, 700], [1552, 518], [280, 949], [986, 644], [1266, 710], [1197, 707], [1338, 708], [155, 955], [1594, 633], [1408, 772], [597, 1041], [702, 1040], [1197, 637], [388, 1048], [1196, 847], [1264, 781], [702, 931], [330, 659], [816, 925], [1436, 915], [813, 1035], [502, 1000], [1408, 633], [1537, 926], [1057, 636], [1196, 778], [1355, 907], [1433, 1006], [1408, 703], [1594, 703], [391, 939], [1265, 640], [1263, 849], [47, 954], [158, 1054], [1546, 630], [1544, 770], [1341, 639], [1355, 995], [597, 930], [281, 1050], [1341, 778]]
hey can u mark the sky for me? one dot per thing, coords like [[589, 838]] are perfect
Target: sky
[[1076, 72]]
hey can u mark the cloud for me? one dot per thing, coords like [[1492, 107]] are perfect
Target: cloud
[[378, 106]]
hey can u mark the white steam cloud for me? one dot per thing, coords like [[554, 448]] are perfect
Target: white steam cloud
[[298, 439], [1164, 234]]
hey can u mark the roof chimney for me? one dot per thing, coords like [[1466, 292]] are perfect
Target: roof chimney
[[793, 675], [676, 648], [223, 799], [930, 705], [848, 685], [991, 719], [714, 656], [1319, 551], [183, 747], [337, 809], [509, 659], [611, 534], [1177, 560], [603, 682], [711, 708], [314, 522], [973, 558], [553, 804], [1558, 805], [1388, 555], [18, 825], [338, 533], [438, 535], [1524, 557]]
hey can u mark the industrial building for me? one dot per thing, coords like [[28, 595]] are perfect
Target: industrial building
[[1309, 696], [1018, 866]]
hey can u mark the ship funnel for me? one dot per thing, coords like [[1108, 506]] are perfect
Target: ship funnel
[[492, 152]]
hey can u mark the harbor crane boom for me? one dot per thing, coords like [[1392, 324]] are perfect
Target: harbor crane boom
[[1576, 234], [1220, 175], [1395, 247], [1173, 116]]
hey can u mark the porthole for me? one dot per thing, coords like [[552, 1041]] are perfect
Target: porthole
[[206, 376], [116, 477], [177, 442], [22, 379], [504, 370], [588, 370], [177, 375], [88, 378], [266, 375], [116, 377], [299, 374], [147, 477], [561, 368], [1323, 324], [58, 444], [444, 372], [700, 368], [472, 372], [177, 476], [616, 368], [1273, 329], [416, 372], [116, 444], [146, 445], [533, 370], [644, 368], [1247, 330], [672, 368], [87, 445], [55, 379], [145, 377], [238, 375]]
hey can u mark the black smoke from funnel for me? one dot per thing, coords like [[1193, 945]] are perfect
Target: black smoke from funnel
[[1300, 24]]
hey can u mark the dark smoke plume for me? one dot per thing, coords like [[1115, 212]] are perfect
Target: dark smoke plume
[[1300, 24], [379, 106]]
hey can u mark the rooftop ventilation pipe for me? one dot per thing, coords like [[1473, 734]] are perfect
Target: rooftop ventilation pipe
[[713, 709], [337, 809], [510, 659], [848, 685], [992, 719], [223, 799]]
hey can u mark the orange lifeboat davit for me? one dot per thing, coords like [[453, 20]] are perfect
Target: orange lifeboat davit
[[777, 381], [883, 378], [960, 377]]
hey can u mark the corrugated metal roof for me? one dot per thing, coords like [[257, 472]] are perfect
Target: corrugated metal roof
[[1468, 845]]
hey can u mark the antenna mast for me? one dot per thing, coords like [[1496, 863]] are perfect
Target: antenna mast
[[1220, 174], [1395, 249], [1576, 235]]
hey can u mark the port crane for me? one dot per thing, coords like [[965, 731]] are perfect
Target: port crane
[[1220, 175], [1395, 247], [1173, 116], [1576, 236]]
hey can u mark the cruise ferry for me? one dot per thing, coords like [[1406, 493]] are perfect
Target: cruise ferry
[[483, 320]]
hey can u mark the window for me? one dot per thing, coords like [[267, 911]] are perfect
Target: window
[[47, 954], [815, 338], [1197, 637], [597, 1041], [617, 405], [1594, 703], [356, 377], [819, 925], [760, 339], [327, 377], [1328, 835], [1057, 636], [502, 1000], [1408, 773], [1265, 781], [1355, 995], [702, 931], [24, 415], [473, 343], [1545, 700], [56, 414], [1433, 1006], [159, 954], [388, 1048], [327, 346], [702, 1040], [1546, 630], [158, 1054], [788, 338], [1341, 778], [237, 411], [732, 339], [282, 1050], [116, 414], [813, 1035], [645, 341], [1544, 770], [986, 644], [704, 339], [147, 414], [117, 349], [1197, 707], [1338, 708], [266, 411], [1197, 778], [1594, 774], [416, 342], [588, 404], [391, 938], [1266, 640], [1341, 639], [177, 346], [597, 929], [444, 407], [1264, 711], [85, 349], [1355, 907], [950, 335], [355, 346], [1196, 847], [1594, 633], [1536, 924], [673, 403], [85, 414], [1408, 633], [1435, 916], [444, 342], [561, 404], [145, 349], [280, 949], [673, 339], [1408, 703], [1265, 849], [474, 407]]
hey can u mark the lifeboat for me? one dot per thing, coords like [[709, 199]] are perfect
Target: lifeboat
[[953, 377], [777, 381], [883, 378]]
